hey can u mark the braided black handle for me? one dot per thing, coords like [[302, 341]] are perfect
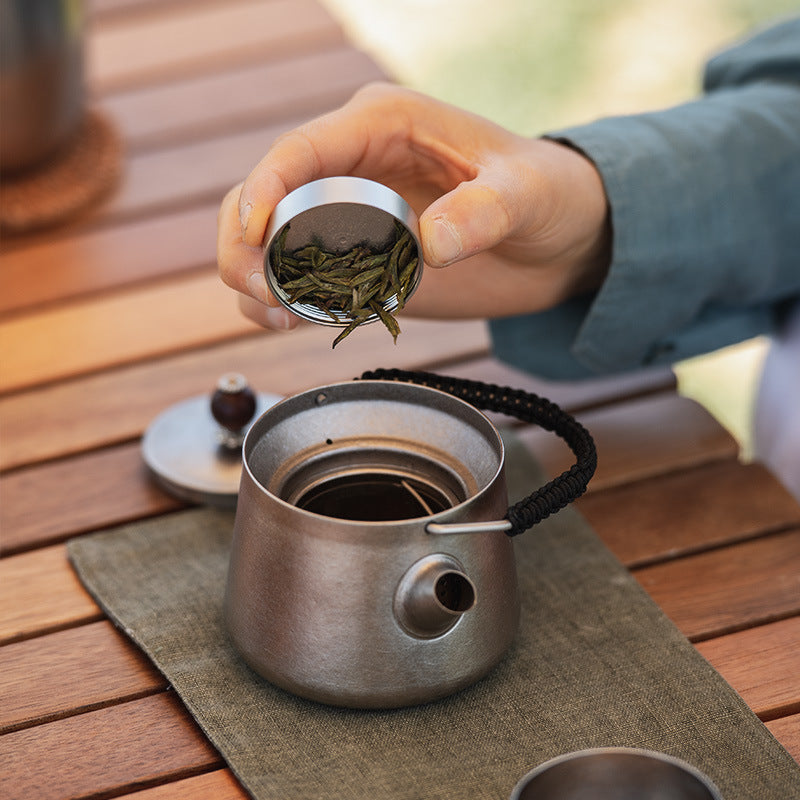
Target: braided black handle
[[527, 407]]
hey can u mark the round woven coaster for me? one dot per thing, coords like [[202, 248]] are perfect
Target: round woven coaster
[[68, 183]]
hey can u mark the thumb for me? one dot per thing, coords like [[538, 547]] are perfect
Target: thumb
[[471, 218]]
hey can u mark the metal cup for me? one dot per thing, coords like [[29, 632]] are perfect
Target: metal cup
[[615, 773], [41, 79]]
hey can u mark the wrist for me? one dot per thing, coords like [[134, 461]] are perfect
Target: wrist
[[585, 216]]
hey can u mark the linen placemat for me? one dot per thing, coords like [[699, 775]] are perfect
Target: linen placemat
[[595, 663]]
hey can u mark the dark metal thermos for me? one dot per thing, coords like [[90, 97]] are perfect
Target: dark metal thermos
[[41, 79]]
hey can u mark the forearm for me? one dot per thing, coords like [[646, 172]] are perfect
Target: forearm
[[706, 221], [705, 206]]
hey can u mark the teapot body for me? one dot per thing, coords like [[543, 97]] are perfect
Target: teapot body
[[337, 591]]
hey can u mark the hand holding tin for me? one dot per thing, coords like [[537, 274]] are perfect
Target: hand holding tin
[[523, 221]]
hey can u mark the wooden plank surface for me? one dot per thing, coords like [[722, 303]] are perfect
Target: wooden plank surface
[[40, 593], [166, 242], [103, 10], [144, 322], [60, 499], [192, 40], [109, 321], [218, 785], [787, 731], [133, 744], [189, 173], [117, 405], [70, 672], [125, 255], [722, 591], [54, 749], [706, 595], [762, 664], [636, 438], [680, 513], [80, 668], [301, 85], [49, 502]]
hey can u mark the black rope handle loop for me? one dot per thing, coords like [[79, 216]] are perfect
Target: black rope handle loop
[[527, 407]]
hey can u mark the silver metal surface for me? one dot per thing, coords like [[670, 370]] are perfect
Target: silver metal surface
[[432, 596], [41, 78], [338, 213], [359, 612], [615, 773], [445, 528], [183, 450]]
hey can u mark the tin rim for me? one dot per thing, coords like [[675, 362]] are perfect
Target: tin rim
[[326, 200]]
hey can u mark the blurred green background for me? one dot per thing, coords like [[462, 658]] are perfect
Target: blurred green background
[[535, 65]]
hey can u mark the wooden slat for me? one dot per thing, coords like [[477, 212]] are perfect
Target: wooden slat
[[108, 9], [125, 746], [40, 593], [98, 8], [115, 406], [104, 10], [67, 497], [194, 40], [68, 265], [295, 87], [722, 591], [180, 119], [43, 504], [95, 334], [787, 731], [74, 670], [124, 315], [217, 785], [127, 254], [70, 672], [762, 664], [639, 439], [681, 513], [186, 173]]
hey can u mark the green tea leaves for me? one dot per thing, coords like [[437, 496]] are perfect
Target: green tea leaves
[[349, 287]]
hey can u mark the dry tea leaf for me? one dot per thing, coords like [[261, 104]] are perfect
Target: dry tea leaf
[[348, 287]]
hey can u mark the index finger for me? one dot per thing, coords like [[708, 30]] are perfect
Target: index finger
[[338, 143]]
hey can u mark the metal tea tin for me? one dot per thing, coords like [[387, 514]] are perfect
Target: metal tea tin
[[338, 214]]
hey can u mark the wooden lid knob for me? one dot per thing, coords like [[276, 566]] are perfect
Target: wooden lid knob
[[233, 402]]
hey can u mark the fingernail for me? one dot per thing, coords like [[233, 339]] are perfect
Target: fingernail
[[445, 242], [245, 209], [257, 286], [278, 318]]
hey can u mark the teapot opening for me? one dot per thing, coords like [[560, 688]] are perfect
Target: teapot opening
[[455, 592], [374, 497]]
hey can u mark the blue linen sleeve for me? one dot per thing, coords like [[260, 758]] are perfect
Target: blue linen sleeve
[[705, 209]]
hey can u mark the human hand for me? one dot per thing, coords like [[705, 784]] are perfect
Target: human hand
[[525, 221]]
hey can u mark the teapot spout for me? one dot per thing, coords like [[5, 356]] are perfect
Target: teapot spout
[[432, 596]]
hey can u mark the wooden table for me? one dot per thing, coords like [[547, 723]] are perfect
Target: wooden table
[[110, 320]]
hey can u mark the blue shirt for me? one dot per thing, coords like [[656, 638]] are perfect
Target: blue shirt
[[705, 210]]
